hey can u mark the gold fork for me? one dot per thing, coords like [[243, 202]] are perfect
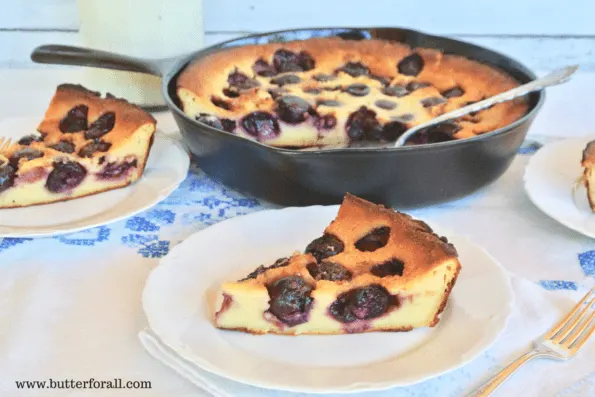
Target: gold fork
[[4, 143], [561, 343]]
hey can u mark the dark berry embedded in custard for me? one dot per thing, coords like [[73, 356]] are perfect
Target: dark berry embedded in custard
[[240, 81], [104, 124], [75, 120], [228, 125], [7, 176], [116, 169], [358, 89], [453, 92], [92, 147], [212, 121], [325, 122], [288, 61], [285, 79], [416, 85], [383, 80], [281, 262], [262, 125], [230, 93], [411, 65], [292, 109], [65, 176], [63, 146], [404, 117], [312, 90], [393, 130], [392, 267], [384, 104], [324, 77], [290, 299], [432, 101], [395, 90], [328, 102], [223, 104], [29, 139], [361, 304], [375, 239], [354, 69], [328, 271], [325, 247], [277, 92], [332, 88], [362, 124], [442, 132], [263, 68], [27, 154]]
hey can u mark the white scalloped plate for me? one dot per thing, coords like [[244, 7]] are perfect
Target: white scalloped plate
[[166, 168], [178, 301], [551, 182]]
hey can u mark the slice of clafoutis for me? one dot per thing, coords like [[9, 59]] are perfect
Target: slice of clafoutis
[[373, 269], [588, 178], [85, 145]]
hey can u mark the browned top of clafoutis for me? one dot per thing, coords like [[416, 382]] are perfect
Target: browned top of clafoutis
[[410, 241], [109, 122], [589, 154], [451, 82]]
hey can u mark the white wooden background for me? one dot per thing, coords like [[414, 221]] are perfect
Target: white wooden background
[[541, 33]]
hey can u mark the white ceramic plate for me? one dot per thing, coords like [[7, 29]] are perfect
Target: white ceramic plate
[[551, 178], [178, 302], [166, 168]]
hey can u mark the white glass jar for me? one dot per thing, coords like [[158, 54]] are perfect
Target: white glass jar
[[139, 28]]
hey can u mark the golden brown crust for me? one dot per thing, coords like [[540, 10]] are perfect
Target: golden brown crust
[[588, 154], [447, 292], [290, 332], [207, 77]]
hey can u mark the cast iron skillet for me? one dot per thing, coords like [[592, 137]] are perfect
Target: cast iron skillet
[[411, 176]]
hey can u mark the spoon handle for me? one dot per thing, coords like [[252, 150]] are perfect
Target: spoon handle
[[556, 77]]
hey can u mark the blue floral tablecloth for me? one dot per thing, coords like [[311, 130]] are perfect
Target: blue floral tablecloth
[[70, 306]]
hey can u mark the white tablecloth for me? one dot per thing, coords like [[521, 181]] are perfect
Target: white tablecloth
[[70, 306]]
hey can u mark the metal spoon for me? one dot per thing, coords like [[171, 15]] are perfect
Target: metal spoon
[[556, 77]]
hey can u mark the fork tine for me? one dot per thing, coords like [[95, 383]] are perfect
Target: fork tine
[[567, 325], [577, 344], [563, 324]]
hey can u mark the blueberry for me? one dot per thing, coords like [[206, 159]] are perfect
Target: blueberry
[[212, 121], [288, 61], [416, 85], [442, 132], [393, 130], [27, 154], [325, 246], [116, 170], [29, 139], [223, 104], [325, 122], [328, 102]]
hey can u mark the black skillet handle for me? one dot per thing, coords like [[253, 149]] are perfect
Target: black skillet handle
[[79, 56]]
